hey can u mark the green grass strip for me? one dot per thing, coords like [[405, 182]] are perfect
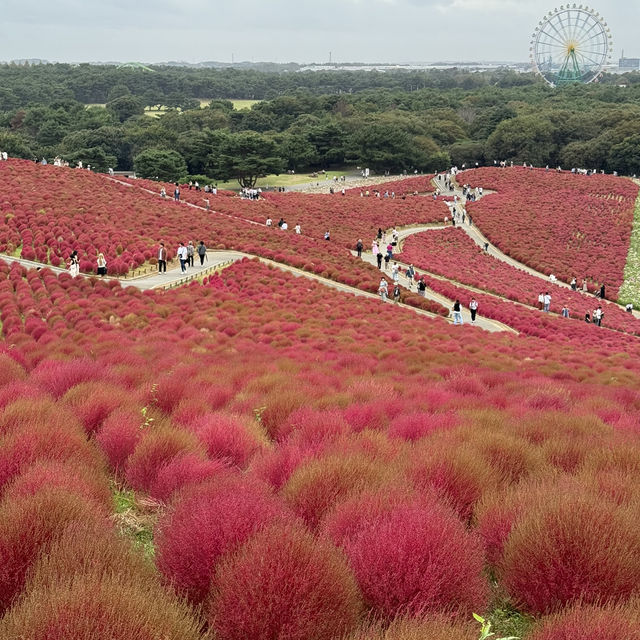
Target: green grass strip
[[630, 289]]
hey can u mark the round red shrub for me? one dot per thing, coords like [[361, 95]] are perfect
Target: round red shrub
[[228, 438], [410, 555], [156, 448], [182, 471], [27, 445], [572, 549], [591, 623], [10, 370], [27, 525], [207, 521], [427, 628], [70, 476], [100, 607], [93, 402], [284, 584], [119, 435]]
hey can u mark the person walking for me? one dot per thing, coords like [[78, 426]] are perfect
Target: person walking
[[584, 285], [374, 248], [327, 235], [383, 290], [387, 257], [359, 247], [396, 293], [597, 316], [422, 287], [176, 193], [298, 229], [473, 308], [182, 256], [162, 258], [602, 292], [547, 302], [379, 259], [457, 313], [541, 301], [74, 264], [202, 252], [191, 251], [395, 272], [102, 265], [574, 283]]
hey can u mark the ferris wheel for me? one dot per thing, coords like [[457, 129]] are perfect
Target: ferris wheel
[[571, 44]]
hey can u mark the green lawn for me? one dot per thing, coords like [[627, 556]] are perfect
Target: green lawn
[[286, 180], [244, 104]]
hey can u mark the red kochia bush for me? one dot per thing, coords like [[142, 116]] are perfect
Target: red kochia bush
[[206, 521], [28, 525], [118, 436], [591, 623], [29, 444], [181, 471], [228, 437], [431, 628], [100, 607], [57, 377], [77, 478], [409, 555], [156, 448], [570, 549], [10, 370], [284, 584]]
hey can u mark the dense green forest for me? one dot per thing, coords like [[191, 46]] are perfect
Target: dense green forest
[[386, 121]]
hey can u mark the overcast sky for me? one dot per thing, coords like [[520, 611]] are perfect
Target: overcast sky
[[287, 30]]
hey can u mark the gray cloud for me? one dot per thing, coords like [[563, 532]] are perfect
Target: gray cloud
[[285, 30]]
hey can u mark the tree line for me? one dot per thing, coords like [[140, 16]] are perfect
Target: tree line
[[422, 121]]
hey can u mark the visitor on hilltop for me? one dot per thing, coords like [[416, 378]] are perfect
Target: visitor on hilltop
[[395, 272], [411, 272], [584, 285], [327, 235], [284, 226], [422, 287], [473, 308], [547, 302], [390, 251], [383, 290], [602, 292], [387, 257], [486, 247], [182, 256], [359, 247], [298, 229], [565, 311], [207, 204], [379, 233], [191, 250], [629, 308], [176, 193], [162, 258], [202, 252], [163, 193], [574, 283], [396, 293], [374, 247], [541, 301], [102, 265], [280, 223], [379, 259], [457, 313], [269, 222], [74, 264]]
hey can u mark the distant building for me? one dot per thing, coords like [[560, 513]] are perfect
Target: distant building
[[629, 64]]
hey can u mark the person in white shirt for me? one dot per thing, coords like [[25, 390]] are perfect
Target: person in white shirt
[[284, 226], [269, 222], [182, 256], [298, 229], [547, 302]]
